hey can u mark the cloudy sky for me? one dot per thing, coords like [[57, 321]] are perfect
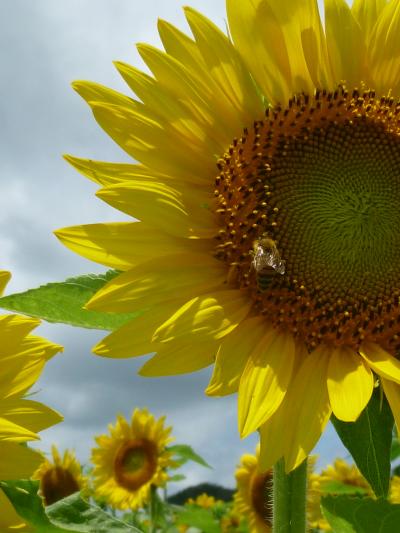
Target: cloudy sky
[[44, 46]]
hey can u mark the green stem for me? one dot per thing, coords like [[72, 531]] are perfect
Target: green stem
[[289, 501], [152, 525]]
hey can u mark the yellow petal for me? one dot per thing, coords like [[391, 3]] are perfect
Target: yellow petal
[[37, 347], [367, 12], [159, 280], [29, 414], [265, 379], [384, 50], [106, 174], [260, 40], [233, 354], [5, 277], [182, 358], [164, 207], [135, 338], [272, 437], [13, 328], [123, 245], [346, 45], [19, 374], [95, 92], [9, 431], [226, 67], [195, 90], [209, 316], [146, 140], [299, 422], [381, 361], [17, 462], [170, 111], [350, 384], [392, 393]]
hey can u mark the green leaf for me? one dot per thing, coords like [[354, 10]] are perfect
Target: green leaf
[[63, 302], [203, 519], [360, 515], [337, 487], [183, 453], [70, 514], [369, 442], [177, 477], [26, 501], [78, 515]]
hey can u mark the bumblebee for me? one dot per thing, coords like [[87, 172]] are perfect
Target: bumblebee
[[267, 261]]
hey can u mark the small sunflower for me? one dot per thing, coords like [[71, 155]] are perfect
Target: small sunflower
[[253, 497], [60, 477], [268, 198], [319, 484], [131, 460], [22, 359], [203, 500]]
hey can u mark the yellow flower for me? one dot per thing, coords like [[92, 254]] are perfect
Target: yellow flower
[[268, 196], [61, 477], [230, 522], [394, 491], [203, 500], [132, 460], [253, 497], [22, 358], [323, 483]]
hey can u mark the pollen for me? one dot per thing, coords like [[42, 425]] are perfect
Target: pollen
[[320, 180]]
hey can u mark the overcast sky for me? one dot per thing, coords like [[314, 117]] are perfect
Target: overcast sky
[[44, 46]]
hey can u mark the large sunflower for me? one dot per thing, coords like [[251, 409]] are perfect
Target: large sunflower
[[60, 476], [22, 359], [268, 194], [131, 460]]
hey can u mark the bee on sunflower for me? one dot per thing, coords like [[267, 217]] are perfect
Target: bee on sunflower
[[285, 132]]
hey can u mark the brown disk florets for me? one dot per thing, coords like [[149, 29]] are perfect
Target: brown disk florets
[[316, 186]]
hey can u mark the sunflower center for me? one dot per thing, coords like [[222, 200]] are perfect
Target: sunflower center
[[309, 211], [261, 496], [57, 483], [135, 463]]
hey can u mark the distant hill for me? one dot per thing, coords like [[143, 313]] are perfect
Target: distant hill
[[219, 493]]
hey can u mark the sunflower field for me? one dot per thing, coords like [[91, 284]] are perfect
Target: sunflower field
[[237, 233]]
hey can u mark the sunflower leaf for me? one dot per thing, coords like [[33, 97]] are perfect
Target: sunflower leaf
[[70, 514], [202, 519], [360, 515], [369, 441], [63, 302], [76, 514], [24, 497], [183, 453]]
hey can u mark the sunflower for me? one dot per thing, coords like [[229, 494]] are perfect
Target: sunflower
[[342, 473], [268, 198], [319, 484], [253, 496], [60, 477], [131, 460], [203, 500], [23, 357]]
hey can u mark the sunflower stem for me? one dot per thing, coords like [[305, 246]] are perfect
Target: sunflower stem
[[289, 501], [152, 503]]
